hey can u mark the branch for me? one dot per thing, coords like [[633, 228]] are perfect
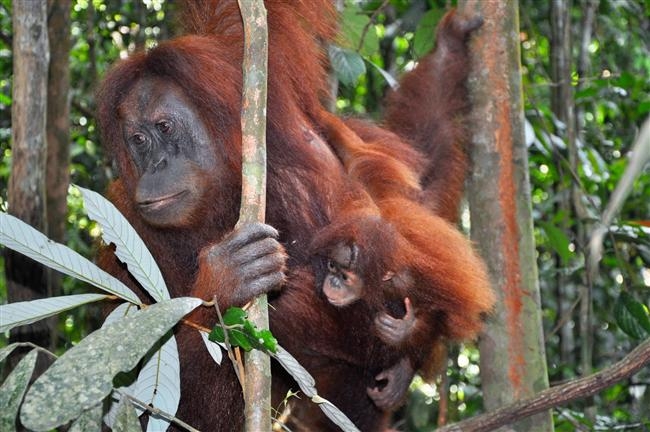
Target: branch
[[640, 156], [370, 23], [236, 362], [155, 411], [257, 389], [559, 395]]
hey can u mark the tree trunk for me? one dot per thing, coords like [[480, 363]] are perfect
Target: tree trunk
[[563, 106], [513, 363], [58, 127], [26, 279], [257, 385]]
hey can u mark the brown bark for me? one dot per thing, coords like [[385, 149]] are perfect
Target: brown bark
[[26, 280], [513, 364], [559, 395], [257, 385]]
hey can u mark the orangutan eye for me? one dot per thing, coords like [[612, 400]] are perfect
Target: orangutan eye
[[164, 126], [139, 139]]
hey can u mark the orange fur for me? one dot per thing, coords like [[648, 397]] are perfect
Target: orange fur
[[417, 197], [444, 256]]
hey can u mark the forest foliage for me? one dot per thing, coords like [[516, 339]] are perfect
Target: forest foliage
[[611, 98]]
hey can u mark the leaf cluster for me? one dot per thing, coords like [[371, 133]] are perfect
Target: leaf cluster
[[238, 331]]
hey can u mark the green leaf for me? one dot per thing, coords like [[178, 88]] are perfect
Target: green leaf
[[234, 316], [5, 99], [586, 93], [268, 340], [27, 312], [390, 80], [239, 338], [244, 334], [626, 80], [129, 247], [217, 334], [260, 339], [643, 108], [126, 419], [638, 310], [358, 33], [347, 64], [114, 348], [425, 33], [213, 348], [5, 351], [89, 420], [558, 241], [632, 316], [159, 383], [19, 236], [13, 389]]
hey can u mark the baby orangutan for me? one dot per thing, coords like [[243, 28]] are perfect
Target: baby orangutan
[[421, 291], [344, 284]]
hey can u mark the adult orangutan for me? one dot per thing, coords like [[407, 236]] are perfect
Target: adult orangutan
[[169, 119]]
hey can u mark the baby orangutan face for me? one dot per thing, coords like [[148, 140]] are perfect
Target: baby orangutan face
[[343, 285]]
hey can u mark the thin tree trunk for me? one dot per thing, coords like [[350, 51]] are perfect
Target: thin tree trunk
[[588, 17], [91, 40], [513, 362], [58, 127], [26, 280], [582, 216], [257, 385], [563, 108]]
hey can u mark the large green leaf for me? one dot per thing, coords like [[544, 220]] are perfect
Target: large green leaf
[[13, 389], [127, 418], [159, 383], [115, 348], [632, 316], [89, 420], [358, 32], [558, 240], [129, 247], [19, 236], [27, 312], [347, 64], [425, 33]]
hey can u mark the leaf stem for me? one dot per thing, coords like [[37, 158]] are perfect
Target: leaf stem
[[236, 360]]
